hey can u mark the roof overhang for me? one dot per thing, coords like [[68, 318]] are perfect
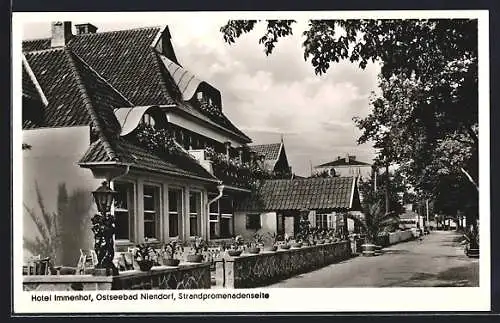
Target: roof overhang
[[107, 169]]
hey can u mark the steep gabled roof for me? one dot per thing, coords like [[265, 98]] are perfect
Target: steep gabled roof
[[324, 194], [271, 152], [76, 94], [128, 61]]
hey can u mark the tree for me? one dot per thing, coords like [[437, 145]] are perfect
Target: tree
[[374, 220], [48, 240], [60, 233], [428, 79], [426, 118]]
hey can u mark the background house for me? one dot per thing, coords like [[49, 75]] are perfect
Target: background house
[[274, 157], [347, 165], [278, 205]]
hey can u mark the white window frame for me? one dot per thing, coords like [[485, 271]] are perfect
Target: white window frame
[[179, 212], [158, 212], [131, 209], [198, 215]]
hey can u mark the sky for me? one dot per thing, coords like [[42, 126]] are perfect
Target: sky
[[268, 97]]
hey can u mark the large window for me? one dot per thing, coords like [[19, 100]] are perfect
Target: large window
[[280, 224], [221, 217], [253, 221], [213, 217], [123, 210], [194, 213], [226, 217], [321, 221], [151, 212], [174, 211]]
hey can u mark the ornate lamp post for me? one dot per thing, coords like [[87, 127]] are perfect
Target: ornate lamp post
[[103, 226]]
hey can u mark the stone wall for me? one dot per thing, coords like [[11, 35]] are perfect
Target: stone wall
[[186, 276], [262, 269], [400, 236]]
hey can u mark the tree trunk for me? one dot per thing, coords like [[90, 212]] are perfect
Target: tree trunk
[[387, 189]]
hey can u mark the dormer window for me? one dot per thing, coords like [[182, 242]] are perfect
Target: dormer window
[[148, 119]]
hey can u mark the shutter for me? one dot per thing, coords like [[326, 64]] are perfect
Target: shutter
[[329, 222]]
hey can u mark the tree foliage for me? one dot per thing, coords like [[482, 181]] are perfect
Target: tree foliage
[[60, 234], [426, 116]]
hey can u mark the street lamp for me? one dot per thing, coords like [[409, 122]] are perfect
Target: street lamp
[[103, 226]]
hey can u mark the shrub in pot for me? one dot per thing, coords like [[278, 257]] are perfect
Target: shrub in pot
[[236, 247], [374, 221], [198, 245], [145, 256], [169, 251], [255, 244], [471, 241]]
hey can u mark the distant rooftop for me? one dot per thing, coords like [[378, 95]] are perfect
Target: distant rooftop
[[347, 160]]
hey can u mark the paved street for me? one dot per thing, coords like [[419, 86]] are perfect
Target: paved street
[[438, 260]]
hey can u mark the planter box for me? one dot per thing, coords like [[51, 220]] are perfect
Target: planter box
[[262, 269], [186, 276]]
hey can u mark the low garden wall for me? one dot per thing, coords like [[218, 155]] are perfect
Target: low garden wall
[[400, 236], [262, 269], [186, 276]]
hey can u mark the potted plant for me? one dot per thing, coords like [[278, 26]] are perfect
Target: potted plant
[[471, 242], [374, 220], [198, 245], [236, 246], [286, 242], [145, 256], [169, 251], [255, 243]]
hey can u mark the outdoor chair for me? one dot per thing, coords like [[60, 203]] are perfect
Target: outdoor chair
[[37, 266], [87, 262]]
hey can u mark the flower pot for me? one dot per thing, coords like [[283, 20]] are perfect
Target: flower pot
[[145, 265], [285, 246], [368, 249], [171, 262], [234, 253], [296, 245], [271, 248], [194, 258], [253, 250], [473, 252]]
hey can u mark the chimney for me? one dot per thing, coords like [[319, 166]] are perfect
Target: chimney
[[61, 33], [347, 158], [85, 29]]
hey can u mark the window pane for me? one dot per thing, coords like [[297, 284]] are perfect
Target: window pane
[[194, 202], [121, 225], [226, 227], [173, 225], [173, 201], [175, 211], [214, 207], [123, 210], [149, 198], [226, 205], [150, 229], [213, 230], [193, 226], [151, 211], [194, 213], [121, 199]]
